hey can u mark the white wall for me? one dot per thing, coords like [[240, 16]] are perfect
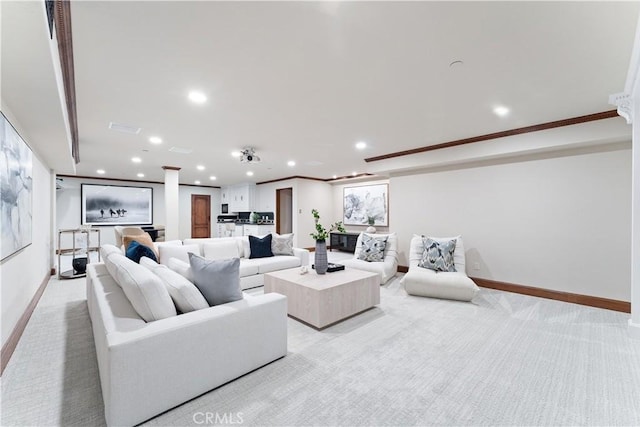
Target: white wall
[[22, 273], [559, 223], [312, 195], [68, 205], [338, 204], [307, 194]]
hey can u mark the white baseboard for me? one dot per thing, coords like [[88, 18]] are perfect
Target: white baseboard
[[634, 330]]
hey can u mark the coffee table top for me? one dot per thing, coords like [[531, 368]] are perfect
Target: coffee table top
[[321, 281]]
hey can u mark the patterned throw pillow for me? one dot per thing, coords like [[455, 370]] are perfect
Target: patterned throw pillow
[[282, 244], [372, 249], [438, 256]]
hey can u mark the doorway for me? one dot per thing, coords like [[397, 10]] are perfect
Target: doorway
[[200, 216], [284, 210]]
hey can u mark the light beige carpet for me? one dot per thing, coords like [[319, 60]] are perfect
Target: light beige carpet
[[504, 359]]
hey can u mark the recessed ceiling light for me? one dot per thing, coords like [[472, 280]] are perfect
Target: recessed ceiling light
[[249, 173], [140, 175], [501, 111], [136, 159], [196, 182], [236, 153], [155, 140], [291, 163], [335, 176], [100, 172], [200, 167], [456, 64], [212, 178], [361, 145], [354, 173], [197, 97]]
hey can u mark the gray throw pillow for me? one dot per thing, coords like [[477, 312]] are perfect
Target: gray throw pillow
[[217, 280], [372, 248], [438, 256]]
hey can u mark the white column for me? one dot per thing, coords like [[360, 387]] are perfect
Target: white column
[[171, 202], [634, 322]]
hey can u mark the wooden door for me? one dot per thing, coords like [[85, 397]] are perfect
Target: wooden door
[[200, 216], [284, 210]]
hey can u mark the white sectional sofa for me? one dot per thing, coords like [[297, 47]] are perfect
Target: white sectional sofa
[[251, 270], [147, 368]]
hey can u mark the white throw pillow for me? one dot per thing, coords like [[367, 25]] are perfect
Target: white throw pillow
[[107, 249], [224, 249], [181, 252], [282, 244], [182, 268], [184, 293], [144, 290]]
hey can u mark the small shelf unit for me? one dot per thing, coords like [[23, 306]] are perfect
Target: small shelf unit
[[77, 251]]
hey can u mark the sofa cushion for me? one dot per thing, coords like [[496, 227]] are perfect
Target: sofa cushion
[[224, 249], [143, 239], [282, 244], [107, 249], [277, 262], [136, 250], [145, 291], [217, 280], [184, 293], [180, 252], [372, 248], [182, 268], [260, 247], [249, 267], [437, 255], [445, 285]]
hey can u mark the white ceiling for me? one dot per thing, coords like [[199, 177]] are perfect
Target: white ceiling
[[305, 81]]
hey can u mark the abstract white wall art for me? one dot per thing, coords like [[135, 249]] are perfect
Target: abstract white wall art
[[361, 204], [116, 205], [16, 184]]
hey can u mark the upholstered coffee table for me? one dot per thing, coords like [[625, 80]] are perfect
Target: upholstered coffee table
[[321, 300]]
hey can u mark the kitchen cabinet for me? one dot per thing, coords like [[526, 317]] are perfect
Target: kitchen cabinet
[[258, 229], [239, 197], [239, 231]]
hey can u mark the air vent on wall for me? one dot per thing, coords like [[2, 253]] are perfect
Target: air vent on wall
[[120, 127], [181, 150]]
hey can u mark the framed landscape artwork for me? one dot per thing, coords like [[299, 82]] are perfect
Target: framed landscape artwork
[[116, 205], [16, 187], [366, 205]]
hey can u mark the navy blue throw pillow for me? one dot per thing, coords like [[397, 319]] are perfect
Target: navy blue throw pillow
[[135, 251], [260, 248]]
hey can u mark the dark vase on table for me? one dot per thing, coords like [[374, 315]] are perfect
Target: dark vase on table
[[79, 265], [320, 262]]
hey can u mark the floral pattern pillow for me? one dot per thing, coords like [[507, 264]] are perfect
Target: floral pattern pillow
[[282, 244], [438, 256], [372, 248]]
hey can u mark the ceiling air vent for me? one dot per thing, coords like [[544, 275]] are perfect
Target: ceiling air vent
[[181, 150], [120, 127]]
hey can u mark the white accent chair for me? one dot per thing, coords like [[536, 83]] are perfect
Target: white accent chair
[[429, 283], [121, 231], [385, 269]]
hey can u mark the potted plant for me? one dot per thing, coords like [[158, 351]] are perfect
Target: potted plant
[[320, 236], [371, 220]]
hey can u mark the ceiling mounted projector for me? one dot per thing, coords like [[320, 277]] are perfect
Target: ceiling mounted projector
[[249, 156]]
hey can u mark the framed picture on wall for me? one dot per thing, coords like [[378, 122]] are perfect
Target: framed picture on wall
[[16, 187], [366, 205], [116, 205]]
